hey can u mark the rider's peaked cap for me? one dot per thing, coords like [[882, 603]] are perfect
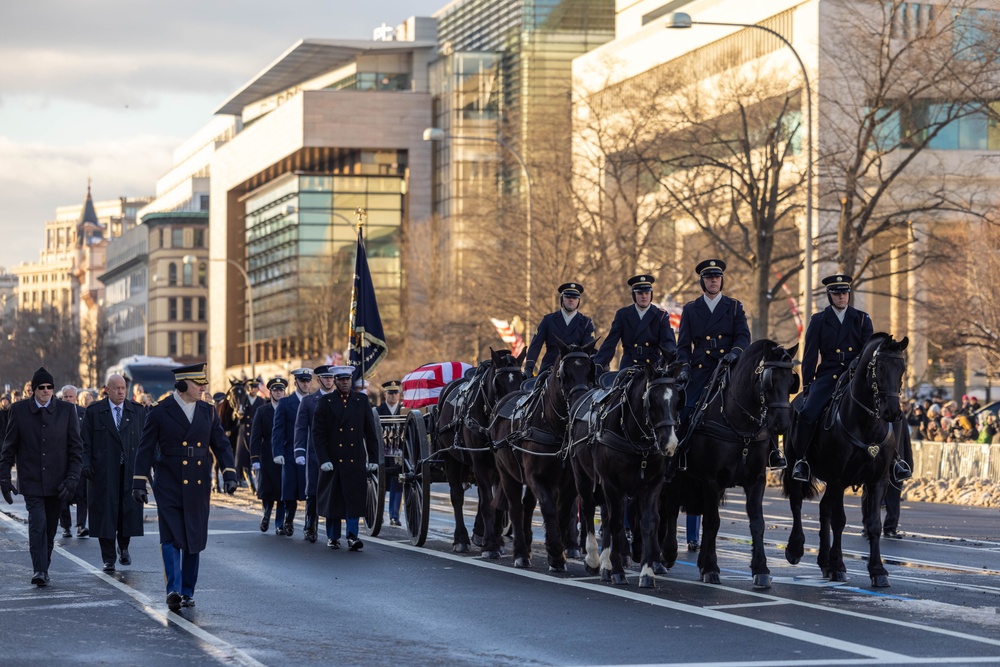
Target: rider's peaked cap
[[838, 283], [277, 382], [323, 371], [571, 289], [710, 268], [304, 374], [194, 372], [641, 283]]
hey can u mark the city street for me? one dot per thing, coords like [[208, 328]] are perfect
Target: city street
[[263, 599]]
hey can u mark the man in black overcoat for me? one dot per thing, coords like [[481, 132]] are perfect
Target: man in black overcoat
[[112, 428], [293, 476], [391, 407], [345, 441], [305, 453], [262, 460], [567, 324], [179, 433], [643, 329], [43, 441]]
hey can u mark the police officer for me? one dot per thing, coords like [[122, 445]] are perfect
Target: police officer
[[567, 324], [834, 338], [305, 453], [390, 407], [643, 329], [293, 477], [178, 435], [262, 459]]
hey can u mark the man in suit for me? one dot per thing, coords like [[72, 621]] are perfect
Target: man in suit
[[305, 453], [180, 434], [390, 407], [835, 337], [111, 431], [643, 329], [43, 440], [293, 477], [567, 324], [262, 460], [345, 441]]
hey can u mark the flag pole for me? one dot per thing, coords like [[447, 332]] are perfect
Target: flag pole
[[360, 213]]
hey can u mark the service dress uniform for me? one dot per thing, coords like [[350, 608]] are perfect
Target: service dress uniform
[[304, 448], [571, 328], [392, 387], [293, 477], [268, 472], [645, 338]]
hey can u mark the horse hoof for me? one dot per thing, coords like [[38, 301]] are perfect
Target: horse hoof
[[711, 578], [606, 576], [761, 581], [491, 555], [839, 576], [591, 570], [828, 575], [792, 560], [646, 581], [573, 553], [557, 568], [619, 580], [477, 540], [522, 562], [660, 569], [880, 581], [460, 548]]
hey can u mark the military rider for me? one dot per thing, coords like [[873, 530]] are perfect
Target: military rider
[[567, 324], [643, 329]]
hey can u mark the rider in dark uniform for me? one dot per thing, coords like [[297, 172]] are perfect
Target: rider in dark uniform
[[834, 338], [643, 329], [567, 324]]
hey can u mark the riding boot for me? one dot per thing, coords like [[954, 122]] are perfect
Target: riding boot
[[901, 471], [801, 471], [775, 459]]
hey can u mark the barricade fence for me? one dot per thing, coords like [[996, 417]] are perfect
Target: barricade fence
[[951, 460]]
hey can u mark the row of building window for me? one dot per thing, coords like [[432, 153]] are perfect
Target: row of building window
[[186, 344], [175, 237], [187, 275], [189, 309]]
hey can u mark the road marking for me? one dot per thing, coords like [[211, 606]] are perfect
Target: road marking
[[220, 649], [744, 605], [67, 605], [819, 663]]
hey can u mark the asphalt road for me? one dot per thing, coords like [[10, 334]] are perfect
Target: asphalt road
[[263, 599]]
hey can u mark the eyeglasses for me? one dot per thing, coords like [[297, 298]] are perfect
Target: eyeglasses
[[43, 387]]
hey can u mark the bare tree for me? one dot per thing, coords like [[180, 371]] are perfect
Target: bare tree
[[36, 338]]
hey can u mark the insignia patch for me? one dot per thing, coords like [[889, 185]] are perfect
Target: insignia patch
[[873, 451]]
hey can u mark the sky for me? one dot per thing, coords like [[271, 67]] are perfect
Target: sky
[[106, 89]]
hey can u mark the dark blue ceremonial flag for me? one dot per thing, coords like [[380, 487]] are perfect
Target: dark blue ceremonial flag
[[367, 345]]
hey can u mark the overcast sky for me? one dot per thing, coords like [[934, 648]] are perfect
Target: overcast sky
[[108, 88]]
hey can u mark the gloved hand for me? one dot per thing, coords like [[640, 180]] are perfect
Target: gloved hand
[[684, 374], [729, 357], [231, 486], [598, 369], [139, 496], [87, 472], [529, 371], [372, 467], [280, 460], [256, 466], [300, 460], [67, 489], [8, 490], [326, 467]]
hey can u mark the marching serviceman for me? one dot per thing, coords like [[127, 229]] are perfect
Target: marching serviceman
[[112, 428], [834, 338], [180, 435], [567, 324], [391, 406], [643, 329], [244, 466], [262, 460], [345, 441], [43, 441], [293, 476], [305, 453]]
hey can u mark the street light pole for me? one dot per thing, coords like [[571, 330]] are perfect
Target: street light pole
[[437, 134], [680, 20], [191, 259]]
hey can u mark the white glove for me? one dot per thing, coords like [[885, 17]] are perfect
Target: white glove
[[280, 460], [256, 466], [372, 467], [326, 467], [300, 460]]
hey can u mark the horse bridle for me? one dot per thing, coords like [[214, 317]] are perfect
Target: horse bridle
[[668, 421], [568, 394], [490, 407], [877, 395], [235, 403]]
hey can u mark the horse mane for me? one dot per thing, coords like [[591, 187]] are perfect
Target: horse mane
[[873, 344]]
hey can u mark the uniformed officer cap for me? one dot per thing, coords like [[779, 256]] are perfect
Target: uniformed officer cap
[[255, 382], [391, 385], [571, 289], [195, 373], [838, 283], [710, 268], [304, 374], [342, 371], [323, 371], [641, 283], [277, 382], [218, 397]]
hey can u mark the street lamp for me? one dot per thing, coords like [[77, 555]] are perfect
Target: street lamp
[[437, 134], [191, 259], [681, 21]]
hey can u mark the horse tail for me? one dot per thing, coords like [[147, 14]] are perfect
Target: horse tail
[[808, 490]]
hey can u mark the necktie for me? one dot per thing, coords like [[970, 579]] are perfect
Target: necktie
[[118, 417]]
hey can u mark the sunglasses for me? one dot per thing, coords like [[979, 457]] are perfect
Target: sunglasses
[[43, 387]]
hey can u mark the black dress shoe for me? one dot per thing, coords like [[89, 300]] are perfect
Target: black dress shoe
[[289, 529], [692, 546], [354, 544], [81, 531], [280, 531], [39, 579], [173, 600], [776, 461], [265, 523], [67, 532], [109, 566], [125, 558], [333, 544], [800, 471], [892, 533], [900, 472], [310, 536], [187, 601], [394, 522]]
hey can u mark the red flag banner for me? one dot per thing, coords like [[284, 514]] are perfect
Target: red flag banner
[[508, 335], [423, 386]]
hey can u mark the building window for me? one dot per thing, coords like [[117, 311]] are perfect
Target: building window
[[203, 274], [172, 274], [201, 308], [201, 343], [188, 275], [177, 237], [186, 309], [172, 344], [188, 349], [172, 310], [199, 238]]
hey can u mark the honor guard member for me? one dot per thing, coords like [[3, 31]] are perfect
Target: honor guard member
[[244, 471], [834, 338], [180, 435], [305, 453], [391, 406], [643, 329], [567, 324], [345, 440], [262, 460], [293, 476]]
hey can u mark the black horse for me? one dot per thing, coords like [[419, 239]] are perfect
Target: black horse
[[231, 414], [727, 445], [461, 441], [528, 433], [619, 445], [861, 432]]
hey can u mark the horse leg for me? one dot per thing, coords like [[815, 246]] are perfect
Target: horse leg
[[797, 538], [825, 514], [567, 508], [755, 512], [453, 473], [615, 527], [633, 509], [588, 507], [838, 519], [485, 484], [547, 501], [649, 524], [669, 508], [708, 563], [871, 507], [512, 489]]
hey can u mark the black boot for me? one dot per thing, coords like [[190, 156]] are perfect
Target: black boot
[[900, 471], [775, 459], [804, 433]]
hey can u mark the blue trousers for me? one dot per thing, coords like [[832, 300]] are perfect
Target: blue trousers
[[180, 569], [395, 497], [693, 527], [333, 527]]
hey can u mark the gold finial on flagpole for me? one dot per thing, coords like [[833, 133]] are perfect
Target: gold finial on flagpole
[[361, 215]]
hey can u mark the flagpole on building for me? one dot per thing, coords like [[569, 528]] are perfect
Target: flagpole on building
[[360, 213]]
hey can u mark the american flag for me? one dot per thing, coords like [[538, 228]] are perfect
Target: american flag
[[423, 386], [509, 335]]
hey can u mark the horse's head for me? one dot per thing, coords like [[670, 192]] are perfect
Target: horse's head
[[883, 365], [575, 370], [237, 397], [504, 375], [662, 401], [778, 381]]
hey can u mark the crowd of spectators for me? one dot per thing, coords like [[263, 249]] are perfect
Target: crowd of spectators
[[949, 421]]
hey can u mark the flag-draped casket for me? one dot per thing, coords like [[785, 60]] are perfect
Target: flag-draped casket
[[423, 386]]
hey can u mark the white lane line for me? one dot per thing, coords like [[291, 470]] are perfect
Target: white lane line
[[220, 649], [819, 663], [744, 605], [753, 624], [67, 605]]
